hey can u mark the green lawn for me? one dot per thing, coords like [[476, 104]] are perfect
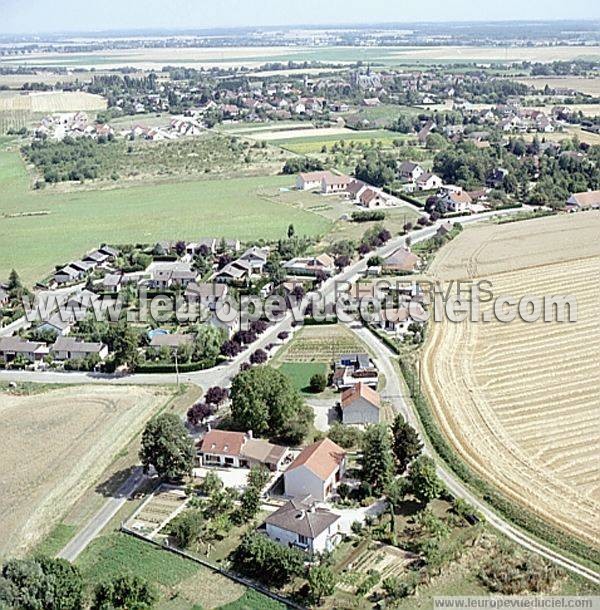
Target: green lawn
[[314, 144], [79, 220], [182, 584], [56, 540], [301, 372]]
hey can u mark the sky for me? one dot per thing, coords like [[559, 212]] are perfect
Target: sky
[[32, 16]]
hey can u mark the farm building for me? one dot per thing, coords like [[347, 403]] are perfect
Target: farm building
[[316, 471], [301, 524]]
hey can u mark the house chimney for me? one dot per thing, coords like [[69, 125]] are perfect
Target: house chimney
[[249, 434], [208, 427]]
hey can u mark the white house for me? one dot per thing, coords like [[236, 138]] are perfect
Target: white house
[[360, 405], [332, 183], [205, 293], [428, 181], [300, 523], [306, 181], [316, 471], [410, 171]]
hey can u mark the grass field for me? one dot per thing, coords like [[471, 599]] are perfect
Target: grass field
[[255, 56], [181, 583], [56, 445], [301, 372], [306, 144], [80, 219], [519, 401]]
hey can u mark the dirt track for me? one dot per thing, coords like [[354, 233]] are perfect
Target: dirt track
[[521, 401], [55, 445]]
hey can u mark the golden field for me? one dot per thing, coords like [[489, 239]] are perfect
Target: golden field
[[520, 402]]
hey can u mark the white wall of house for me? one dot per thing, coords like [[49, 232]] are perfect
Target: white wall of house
[[217, 459], [360, 411], [325, 541], [301, 481]]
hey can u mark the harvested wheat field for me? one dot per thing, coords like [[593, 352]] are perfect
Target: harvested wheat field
[[52, 101], [521, 401], [55, 445]]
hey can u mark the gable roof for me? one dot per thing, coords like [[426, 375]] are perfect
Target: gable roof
[[585, 199], [360, 390], [321, 458], [223, 441], [401, 259], [301, 516]]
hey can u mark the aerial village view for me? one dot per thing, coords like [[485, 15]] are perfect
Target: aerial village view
[[294, 305]]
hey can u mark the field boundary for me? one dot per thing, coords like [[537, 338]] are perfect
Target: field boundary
[[516, 514], [207, 564]]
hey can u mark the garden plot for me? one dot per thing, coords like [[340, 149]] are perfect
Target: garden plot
[[159, 509]]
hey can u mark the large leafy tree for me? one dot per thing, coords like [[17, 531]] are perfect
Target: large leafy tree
[[377, 458], [264, 400], [268, 561], [321, 582], [424, 482], [167, 446], [41, 583], [126, 591], [406, 443]]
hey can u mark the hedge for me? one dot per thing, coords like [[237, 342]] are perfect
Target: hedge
[[185, 367], [516, 514]]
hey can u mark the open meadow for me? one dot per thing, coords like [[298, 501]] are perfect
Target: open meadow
[[55, 445], [520, 401], [78, 219], [252, 57]]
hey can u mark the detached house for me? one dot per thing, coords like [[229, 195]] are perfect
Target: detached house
[[428, 181], [584, 201], [205, 293], [306, 181], [300, 523], [239, 450], [310, 266], [316, 471], [401, 261], [14, 347], [360, 405], [332, 184], [410, 171], [457, 201], [69, 348]]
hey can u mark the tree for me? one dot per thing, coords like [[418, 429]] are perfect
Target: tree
[[258, 357], [258, 476], [318, 382], [424, 482], [186, 527], [406, 443], [216, 395], [230, 348], [347, 437], [14, 284], [321, 582], [198, 413], [264, 400], [266, 560], [127, 591], [41, 583], [207, 344], [377, 459], [124, 343], [249, 504], [167, 446], [291, 231]]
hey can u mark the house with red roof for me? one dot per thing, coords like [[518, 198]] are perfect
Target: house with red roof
[[316, 471], [360, 405]]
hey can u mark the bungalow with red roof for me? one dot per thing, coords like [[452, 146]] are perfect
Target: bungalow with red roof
[[239, 450]]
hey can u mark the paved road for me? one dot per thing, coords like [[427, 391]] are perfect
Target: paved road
[[101, 519]]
